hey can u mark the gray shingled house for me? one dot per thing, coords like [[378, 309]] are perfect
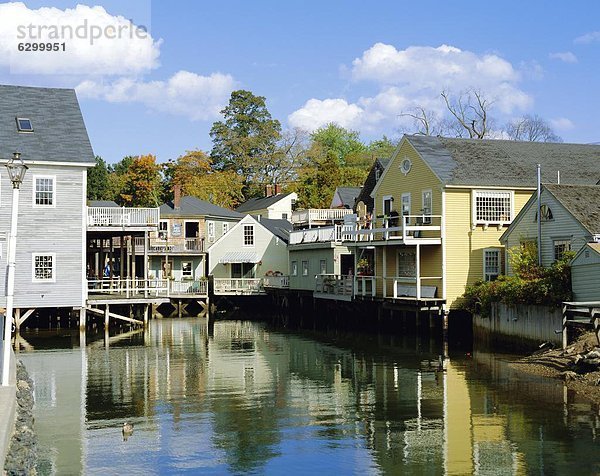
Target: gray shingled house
[[47, 128]]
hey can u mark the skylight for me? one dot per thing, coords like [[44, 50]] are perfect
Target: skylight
[[24, 124]]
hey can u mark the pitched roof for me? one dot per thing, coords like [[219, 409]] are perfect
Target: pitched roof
[[59, 133], [506, 163], [260, 203], [192, 207], [348, 195], [365, 193], [102, 203], [583, 202], [280, 228]]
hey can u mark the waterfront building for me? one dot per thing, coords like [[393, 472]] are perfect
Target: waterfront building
[[274, 205], [345, 197]]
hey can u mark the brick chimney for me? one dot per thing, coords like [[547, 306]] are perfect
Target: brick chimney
[[268, 191], [176, 196], [277, 189]]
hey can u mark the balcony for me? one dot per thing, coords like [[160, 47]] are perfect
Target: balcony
[[122, 217], [188, 288], [238, 286], [172, 245], [325, 234], [127, 288], [319, 216], [334, 286], [407, 229], [276, 282]]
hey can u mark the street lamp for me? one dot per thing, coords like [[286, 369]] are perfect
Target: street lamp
[[16, 172]]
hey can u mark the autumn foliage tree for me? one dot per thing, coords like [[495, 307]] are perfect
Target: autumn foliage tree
[[142, 183]]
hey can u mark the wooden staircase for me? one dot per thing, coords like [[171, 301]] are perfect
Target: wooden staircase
[[580, 314]]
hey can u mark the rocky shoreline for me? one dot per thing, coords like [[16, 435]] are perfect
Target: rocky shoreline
[[578, 365], [21, 458]]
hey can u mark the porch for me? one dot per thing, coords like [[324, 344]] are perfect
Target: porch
[[276, 282], [160, 246], [238, 286], [144, 290], [122, 217], [406, 229], [319, 216]]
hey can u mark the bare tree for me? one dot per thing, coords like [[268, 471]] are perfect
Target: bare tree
[[471, 111], [425, 122], [531, 128]]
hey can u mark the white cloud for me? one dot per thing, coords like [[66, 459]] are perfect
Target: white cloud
[[415, 77], [185, 94], [588, 37], [562, 124], [95, 42], [565, 56]]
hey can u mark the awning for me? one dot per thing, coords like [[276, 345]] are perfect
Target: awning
[[239, 257]]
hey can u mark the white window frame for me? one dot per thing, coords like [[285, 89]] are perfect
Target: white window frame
[[191, 273], [39, 280], [486, 274], [405, 195], [165, 232], [210, 231], [427, 214], [225, 227], [34, 190], [294, 268], [384, 199], [244, 244], [305, 270], [480, 193]]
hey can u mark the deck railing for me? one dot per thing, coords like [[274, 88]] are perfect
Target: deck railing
[[405, 227], [311, 215], [238, 285], [122, 216], [335, 284], [188, 287], [365, 286], [129, 287], [175, 245], [317, 235], [281, 282]]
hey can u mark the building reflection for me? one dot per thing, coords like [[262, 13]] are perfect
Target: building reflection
[[240, 397]]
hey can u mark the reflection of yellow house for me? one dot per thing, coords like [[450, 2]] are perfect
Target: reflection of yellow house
[[441, 206]]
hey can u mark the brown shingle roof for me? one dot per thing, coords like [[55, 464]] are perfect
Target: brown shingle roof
[[583, 202]]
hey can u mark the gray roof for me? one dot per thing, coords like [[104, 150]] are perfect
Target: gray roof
[[583, 202], [102, 203], [194, 207], [370, 182], [59, 133], [348, 195], [280, 228], [260, 203], [506, 163]]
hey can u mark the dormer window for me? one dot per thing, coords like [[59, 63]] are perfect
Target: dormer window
[[24, 124]]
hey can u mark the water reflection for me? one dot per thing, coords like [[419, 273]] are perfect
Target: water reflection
[[243, 398]]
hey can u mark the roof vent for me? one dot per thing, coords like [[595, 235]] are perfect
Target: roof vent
[[24, 124]]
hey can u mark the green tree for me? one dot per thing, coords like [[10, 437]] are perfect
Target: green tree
[[142, 183], [344, 144], [97, 181], [245, 141]]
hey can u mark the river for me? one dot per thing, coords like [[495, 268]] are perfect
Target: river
[[243, 397]]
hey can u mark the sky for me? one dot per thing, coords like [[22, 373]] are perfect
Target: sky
[[363, 65]]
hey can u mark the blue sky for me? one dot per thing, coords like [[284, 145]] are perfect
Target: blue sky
[[360, 64]]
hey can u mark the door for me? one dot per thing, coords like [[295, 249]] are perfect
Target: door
[[346, 264], [242, 270]]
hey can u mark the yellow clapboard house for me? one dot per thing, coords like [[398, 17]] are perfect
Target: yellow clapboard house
[[441, 205]]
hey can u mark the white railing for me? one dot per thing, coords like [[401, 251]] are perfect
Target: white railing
[[238, 285], [176, 245], [122, 216], [129, 287], [406, 228], [188, 287], [335, 284], [365, 286], [323, 234], [319, 215], [413, 287], [276, 281]]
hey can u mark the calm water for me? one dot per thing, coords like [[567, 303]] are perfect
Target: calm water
[[243, 398]]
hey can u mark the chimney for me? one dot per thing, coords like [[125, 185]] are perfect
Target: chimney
[[277, 189], [176, 196], [268, 191]]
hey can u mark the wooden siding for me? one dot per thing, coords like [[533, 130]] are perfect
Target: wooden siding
[[155, 266], [58, 230], [585, 276], [314, 256], [464, 246], [562, 226], [270, 250]]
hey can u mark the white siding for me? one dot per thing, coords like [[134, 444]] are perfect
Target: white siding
[[585, 276]]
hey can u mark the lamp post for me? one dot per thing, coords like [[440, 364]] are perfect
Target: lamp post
[[16, 172]]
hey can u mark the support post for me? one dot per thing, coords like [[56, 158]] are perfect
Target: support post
[[133, 263], [418, 268], [17, 319], [146, 312], [384, 271], [565, 341], [146, 264], [82, 317], [106, 316]]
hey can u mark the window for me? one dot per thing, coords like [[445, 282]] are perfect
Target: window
[[323, 266], [186, 269], [491, 264], [24, 124], [44, 191], [248, 235], [211, 230], [560, 248], [493, 206], [427, 206], [388, 201], [225, 227], [294, 268], [163, 229], [407, 263], [43, 267], [406, 203], [546, 213], [304, 268], [284, 216], [377, 174]]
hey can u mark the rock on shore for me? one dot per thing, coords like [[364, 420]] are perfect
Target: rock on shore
[[22, 452]]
